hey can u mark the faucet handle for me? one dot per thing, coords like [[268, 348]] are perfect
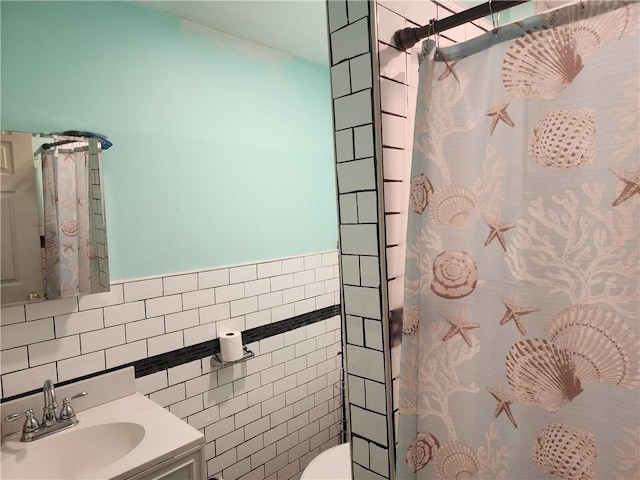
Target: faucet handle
[[67, 412], [31, 424]]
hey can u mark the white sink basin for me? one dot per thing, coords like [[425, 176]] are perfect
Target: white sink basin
[[76, 453], [112, 441]]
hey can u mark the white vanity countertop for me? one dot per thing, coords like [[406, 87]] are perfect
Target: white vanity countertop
[[165, 436]]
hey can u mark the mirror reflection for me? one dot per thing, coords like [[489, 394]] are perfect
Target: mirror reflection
[[53, 224]]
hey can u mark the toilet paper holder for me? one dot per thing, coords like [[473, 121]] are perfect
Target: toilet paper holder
[[217, 362]]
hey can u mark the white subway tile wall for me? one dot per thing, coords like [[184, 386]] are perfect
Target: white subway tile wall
[[357, 129], [271, 414], [350, 41], [344, 141], [356, 175], [368, 296]]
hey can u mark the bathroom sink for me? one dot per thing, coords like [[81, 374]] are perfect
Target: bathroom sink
[[75, 453], [114, 441]]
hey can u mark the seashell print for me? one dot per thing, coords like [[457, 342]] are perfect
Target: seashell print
[[602, 346], [421, 191], [564, 139], [541, 64], [452, 205], [421, 451], [594, 24], [456, 460], [69, 291], [567, 452], [410, 319], [69, 228], [51, 247], [455, 274], [542, 374], [68, 203]]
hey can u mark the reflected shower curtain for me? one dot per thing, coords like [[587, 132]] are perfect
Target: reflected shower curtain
[[520, 351], [71, 257]]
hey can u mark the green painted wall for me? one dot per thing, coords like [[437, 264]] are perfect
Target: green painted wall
[[223, 150]]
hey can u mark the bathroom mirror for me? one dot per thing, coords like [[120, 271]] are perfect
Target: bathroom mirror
[[54, 243]]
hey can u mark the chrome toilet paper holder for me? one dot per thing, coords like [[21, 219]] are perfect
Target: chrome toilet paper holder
[[217, 362]]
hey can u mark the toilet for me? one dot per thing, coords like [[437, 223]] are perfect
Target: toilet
[[332, 464]]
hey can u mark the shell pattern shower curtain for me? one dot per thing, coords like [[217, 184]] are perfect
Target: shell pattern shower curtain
[[520, 350], [71, 258]]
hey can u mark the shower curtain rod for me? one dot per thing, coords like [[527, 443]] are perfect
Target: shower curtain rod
[[104, 141], [408, 37], [47, 146]]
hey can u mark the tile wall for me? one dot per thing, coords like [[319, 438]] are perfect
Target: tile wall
[[266, 418], [355, 93], [263, 419], [96, 209], [374, 90]]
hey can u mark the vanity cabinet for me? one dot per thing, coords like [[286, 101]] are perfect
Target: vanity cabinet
[[186, 466]]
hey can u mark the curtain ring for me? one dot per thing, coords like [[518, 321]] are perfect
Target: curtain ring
[[581, 4], [432, 28], [493, 18]]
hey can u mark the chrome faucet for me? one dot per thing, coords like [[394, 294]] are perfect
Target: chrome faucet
[[51, 421], [49, 415]]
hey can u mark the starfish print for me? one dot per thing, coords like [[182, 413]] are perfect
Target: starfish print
[[631, 184], [504, 402], [448, 70], [497, 229], [499, 112], [459, 326], [514, 311]]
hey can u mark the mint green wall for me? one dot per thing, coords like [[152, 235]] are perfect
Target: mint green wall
[[222, 153]]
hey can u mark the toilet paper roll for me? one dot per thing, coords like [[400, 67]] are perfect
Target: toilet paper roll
[[231, 346]]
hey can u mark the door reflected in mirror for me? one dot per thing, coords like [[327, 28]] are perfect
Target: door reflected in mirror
[[52, 213]]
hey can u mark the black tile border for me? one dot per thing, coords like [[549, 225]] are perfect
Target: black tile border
[[164, 361], [150, 365]]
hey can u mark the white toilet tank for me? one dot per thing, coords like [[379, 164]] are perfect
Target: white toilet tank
[[332, 464]]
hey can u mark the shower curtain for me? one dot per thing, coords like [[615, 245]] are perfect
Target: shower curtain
[[71, 257], [520, 351]]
